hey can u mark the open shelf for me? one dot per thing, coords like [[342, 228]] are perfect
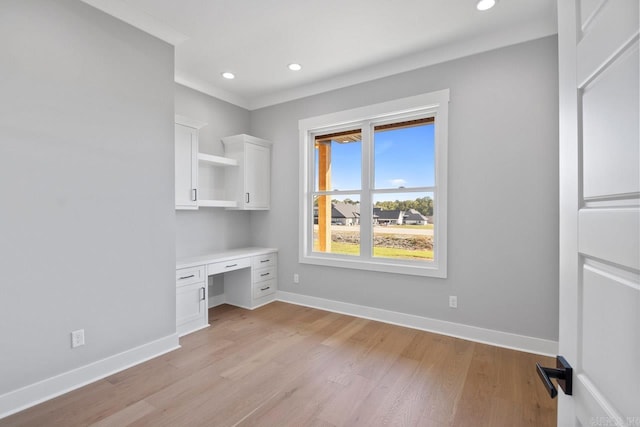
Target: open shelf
[[217, 160], [217, 203]]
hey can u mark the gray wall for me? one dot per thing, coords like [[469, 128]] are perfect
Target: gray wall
[[87, 223], [503, 193], [211, 229]]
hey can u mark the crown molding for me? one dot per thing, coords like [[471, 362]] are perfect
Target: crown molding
[[523, 33], [139, 19], [209, 89]]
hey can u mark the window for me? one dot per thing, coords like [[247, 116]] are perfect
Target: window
[[373, 187]]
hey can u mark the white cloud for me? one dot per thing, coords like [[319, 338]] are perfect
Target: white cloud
[[398, 182]]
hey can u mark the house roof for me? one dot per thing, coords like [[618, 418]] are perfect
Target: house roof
[[345, 210], [414, 215], [386, 214]]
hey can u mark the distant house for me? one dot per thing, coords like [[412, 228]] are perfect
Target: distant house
[[349, 214], [387, 217], [345, 213], [341, 214], [413, 217]]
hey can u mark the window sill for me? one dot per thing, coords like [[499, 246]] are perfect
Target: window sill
[[378, 265]]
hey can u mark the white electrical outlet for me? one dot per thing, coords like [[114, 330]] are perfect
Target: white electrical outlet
[[453, 301], [296, 278], [77, 338]]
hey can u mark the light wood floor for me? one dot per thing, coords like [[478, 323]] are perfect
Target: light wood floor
[[286, 365]]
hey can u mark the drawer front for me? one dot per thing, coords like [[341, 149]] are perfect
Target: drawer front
[[224, 266], [265, 288], [187, 276], [263, 261], [264, 274]]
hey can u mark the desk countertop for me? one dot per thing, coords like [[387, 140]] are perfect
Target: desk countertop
[[222, 256]]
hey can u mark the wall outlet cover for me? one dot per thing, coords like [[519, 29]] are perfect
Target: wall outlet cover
[[77, 338], [453, 301]]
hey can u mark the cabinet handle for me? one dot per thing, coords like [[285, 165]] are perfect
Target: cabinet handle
[[247, 197], [194, 194], [264, 274], [265, 260], [187, 277], [202, 294], [264, 289], [232, 265]]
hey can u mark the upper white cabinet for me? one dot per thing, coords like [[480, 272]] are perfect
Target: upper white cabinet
[[250, 184], [200, 178], [186, 158]]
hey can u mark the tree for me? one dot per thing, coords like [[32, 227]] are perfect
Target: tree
[[424, 205]]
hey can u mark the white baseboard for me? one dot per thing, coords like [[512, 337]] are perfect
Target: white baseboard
[[458, 330], [32, 394]]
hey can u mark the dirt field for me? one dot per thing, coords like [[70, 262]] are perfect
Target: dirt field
[[382, 230], [388, 237]]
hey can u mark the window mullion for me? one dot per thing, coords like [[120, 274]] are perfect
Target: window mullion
[[366, 219]]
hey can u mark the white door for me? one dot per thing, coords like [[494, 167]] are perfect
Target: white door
[[186, 153], [599, 211]]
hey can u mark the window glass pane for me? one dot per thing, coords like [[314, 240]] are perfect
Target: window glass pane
[[336, 224], [404, 155], [338, 161], [403, 226]]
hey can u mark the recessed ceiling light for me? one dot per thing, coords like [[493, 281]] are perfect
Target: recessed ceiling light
[[485, 4], [295, 67], [228, 75]]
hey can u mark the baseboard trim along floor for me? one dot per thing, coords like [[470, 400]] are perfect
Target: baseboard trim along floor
[[457, 330], [32, 394]]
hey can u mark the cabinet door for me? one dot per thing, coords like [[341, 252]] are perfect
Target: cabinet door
[[257, 175], [191, 307], [186, 142]]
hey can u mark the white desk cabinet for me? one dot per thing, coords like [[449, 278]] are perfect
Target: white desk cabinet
[[250, 184], [191, 299], [250, 281], [255, 286]]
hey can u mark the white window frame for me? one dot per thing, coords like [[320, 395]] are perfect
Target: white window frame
[[434, 104]]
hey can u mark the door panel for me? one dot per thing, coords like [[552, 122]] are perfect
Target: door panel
[[610, 233], [588, 9], [614, 25], [609, 318], [610, 128]]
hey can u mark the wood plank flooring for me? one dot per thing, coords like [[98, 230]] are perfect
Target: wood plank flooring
[[286, 365]]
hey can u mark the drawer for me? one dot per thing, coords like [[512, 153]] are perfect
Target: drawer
[[187, 276], [266, 260], [230, 265], [265, 288], [264, 274]]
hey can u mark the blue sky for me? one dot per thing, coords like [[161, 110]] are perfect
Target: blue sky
[[402, 157]]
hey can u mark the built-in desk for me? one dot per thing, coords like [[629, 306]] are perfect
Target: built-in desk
[[250, 281]]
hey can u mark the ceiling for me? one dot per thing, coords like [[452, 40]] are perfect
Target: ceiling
[[338, 42]]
